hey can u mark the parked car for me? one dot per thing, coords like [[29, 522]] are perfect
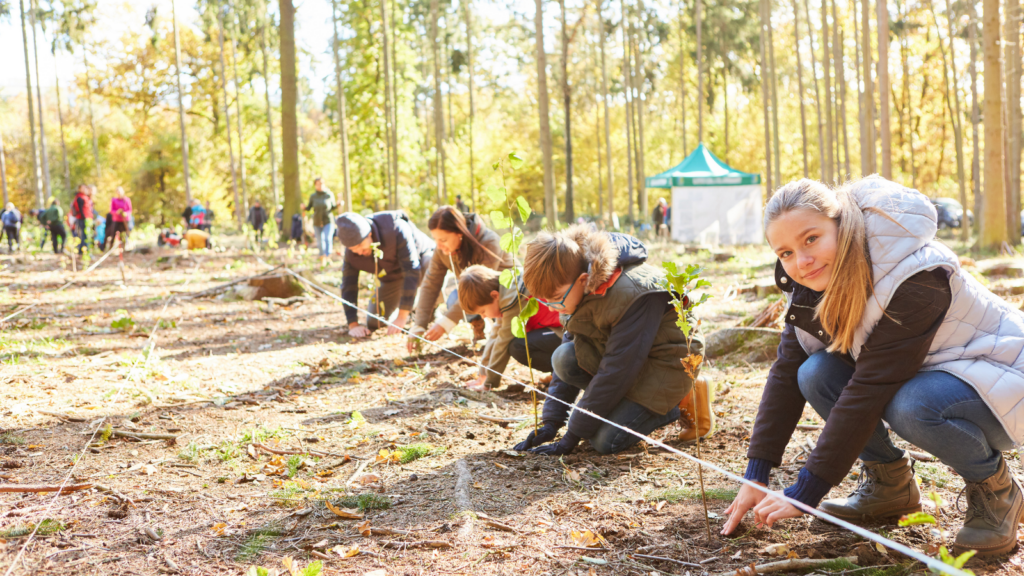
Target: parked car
[[951, 213]]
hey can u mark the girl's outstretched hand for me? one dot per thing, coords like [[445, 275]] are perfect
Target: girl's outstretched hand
[[747, 498]]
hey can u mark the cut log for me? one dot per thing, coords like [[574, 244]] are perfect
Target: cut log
[[729, 340], [1008, 269], [767, 288], [277, 286]]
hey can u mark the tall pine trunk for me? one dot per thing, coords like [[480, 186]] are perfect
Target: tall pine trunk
[[826, 63], [765, 99], [545, 122], [438, 102], [31, 108], [289, 118], [840, 68], [883, 87], [63, 139], [467, 6], [860, 90], [181, 110], [953, 104], [700, 73], [227, 122], [570, 215], [993, 218], [817, 95], [800, 81], [3, 170], [92, 118], [342, 115], [775, 98], [238, 125], [607, 116], [682, 70], [868, 162], [392, 153], [270, 118], [44, 155], [630, 151], [972, 39], [1011, 14], [394, 101], [907, 104], [639, 105]]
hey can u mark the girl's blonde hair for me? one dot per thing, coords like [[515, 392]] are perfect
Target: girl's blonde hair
[[842, 306]]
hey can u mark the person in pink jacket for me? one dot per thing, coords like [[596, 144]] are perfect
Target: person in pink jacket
[[120, 211]]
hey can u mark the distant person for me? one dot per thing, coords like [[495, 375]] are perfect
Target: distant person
[[660, 217], [37, 213], [210, 217], [197, 216], [12, 227], [186, 214], [53, 219], [81, 210], [460, 205], [322, 204], [279, 217], [257, 219], [196, 239], [406, 256], [297, 231], [120, 212]]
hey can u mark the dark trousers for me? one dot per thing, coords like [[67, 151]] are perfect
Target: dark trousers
[[259, 233], [543, 344], [13, 237], [385, 301], [42, 241], [80, 233], [59, 234]]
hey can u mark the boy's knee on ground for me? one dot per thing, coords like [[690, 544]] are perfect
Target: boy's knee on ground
[[563, 360]]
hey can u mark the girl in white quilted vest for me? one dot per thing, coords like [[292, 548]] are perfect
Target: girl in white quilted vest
[[882, 324]]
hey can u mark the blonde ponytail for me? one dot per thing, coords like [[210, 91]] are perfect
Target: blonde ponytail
[[842, 306]]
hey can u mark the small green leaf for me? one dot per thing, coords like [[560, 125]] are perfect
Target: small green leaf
[[495, 193], [382, 273], [701, 283], [510, 241], [531, 308], [518, 327], [313, 569], [524, 208], [916, 518], [496, 165], [507, 278], [499, 221], [515, 160], [937, 498]]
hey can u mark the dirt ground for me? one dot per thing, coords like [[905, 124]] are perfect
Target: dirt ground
[[295, 444]]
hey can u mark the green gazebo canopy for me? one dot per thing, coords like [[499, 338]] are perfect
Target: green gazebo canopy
[[702, 168]]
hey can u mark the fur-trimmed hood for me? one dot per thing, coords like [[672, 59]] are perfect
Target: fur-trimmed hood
[[606, 251]]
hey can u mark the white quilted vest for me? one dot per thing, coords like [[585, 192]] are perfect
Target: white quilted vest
[[981, 340]]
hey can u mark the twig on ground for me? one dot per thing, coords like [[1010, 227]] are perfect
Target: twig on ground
[[43, 487], [581, 548], [114, 493], [420, 544], [787, 565], [62, 416], [499, 526], [646, 557]]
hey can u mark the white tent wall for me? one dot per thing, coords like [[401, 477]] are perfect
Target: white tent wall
[[715, 215]]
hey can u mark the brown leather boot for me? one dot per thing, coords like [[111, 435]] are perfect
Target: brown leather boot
[[994, 509], [696, 419], [884, 491]]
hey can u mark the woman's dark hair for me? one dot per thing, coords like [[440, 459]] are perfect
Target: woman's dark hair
[[450, 219]]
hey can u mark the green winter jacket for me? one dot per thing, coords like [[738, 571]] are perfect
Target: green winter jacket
[[322, 204]]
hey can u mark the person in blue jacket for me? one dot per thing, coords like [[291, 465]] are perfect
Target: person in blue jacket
[[404, 255]]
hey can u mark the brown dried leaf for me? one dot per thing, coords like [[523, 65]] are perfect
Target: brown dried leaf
[[349, 514]]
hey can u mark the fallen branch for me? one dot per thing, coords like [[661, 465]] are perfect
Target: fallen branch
[[43, 487], [114, 493], [420, 544], [386, 532], [499, 526], [921, 456], [784, 566], [143, 435], [646, 557], [62, 416], [279, 452], [499, 420], [809, 427], [581, 548]]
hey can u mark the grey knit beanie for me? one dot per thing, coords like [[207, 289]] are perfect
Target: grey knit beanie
[[352, 228]]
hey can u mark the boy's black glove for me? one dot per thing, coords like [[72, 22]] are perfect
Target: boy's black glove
[[564, 446], [545, 434]]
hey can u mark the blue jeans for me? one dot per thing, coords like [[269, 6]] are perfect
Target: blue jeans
[[610, 439], [935, 410], [453, 299], [324, 238]]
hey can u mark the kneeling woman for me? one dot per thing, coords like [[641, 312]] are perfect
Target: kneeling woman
[[884, 325]]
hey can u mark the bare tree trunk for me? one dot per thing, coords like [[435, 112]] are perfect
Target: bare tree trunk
[[860, 90], [841, 79], [92, 118], [31, 107], [817, 95], [388, 106], [3, 170], [949, 81], [600, 177], [1011, 15], [765, 99], [639, 105], [63, 140], [472, 106], [775, 98], [883, 87], [181, 110], [993, 219], [442, 182], [607, 117], [682, 74], [270, 123], [545, 121], [628, 84], [829, 170], [700, 74], [238, 123], [342, 129], [979, 195], [289, 118], [800, 81], [570, 215], [907, 94], [871, 165], [227, 121], [394, 103], [42, 125], [725, 101]]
